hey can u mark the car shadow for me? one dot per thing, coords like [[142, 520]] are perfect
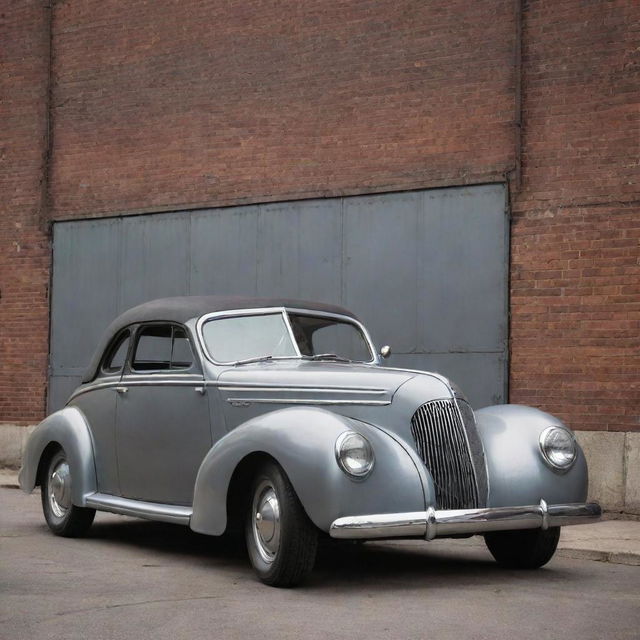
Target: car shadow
[[339, 565]]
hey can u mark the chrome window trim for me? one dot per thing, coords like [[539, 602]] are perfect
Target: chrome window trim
[[108, 352], [138, 328], [284, 311], [343, 318], [287, 321]]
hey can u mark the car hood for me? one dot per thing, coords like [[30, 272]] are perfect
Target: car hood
[[317, 383]]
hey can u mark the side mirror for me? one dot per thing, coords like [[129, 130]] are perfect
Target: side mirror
[[385, 351]]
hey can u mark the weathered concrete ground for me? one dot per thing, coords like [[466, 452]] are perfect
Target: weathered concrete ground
[[136, 579]]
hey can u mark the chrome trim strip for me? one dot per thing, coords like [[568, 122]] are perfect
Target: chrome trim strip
[[134, 382], [284, 310], [243, 402], [102, 385], [139, 508], [196, 380], [234, 386], [371, 392], [431, 524], [163, 383]]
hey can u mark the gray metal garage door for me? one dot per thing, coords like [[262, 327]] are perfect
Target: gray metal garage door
[[426, 271]]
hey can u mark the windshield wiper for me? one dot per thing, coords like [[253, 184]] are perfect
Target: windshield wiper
[[329, 356], [264, 359], [318, 356], [250, 360]]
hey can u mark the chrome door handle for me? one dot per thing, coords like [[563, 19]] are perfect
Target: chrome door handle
[[199, 390], [122, 389]]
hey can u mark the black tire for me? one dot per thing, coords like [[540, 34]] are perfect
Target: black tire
[[282, 558], [526, 549], [63, 518]]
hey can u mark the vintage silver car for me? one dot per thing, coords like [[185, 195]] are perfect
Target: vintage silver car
[[276, 416]]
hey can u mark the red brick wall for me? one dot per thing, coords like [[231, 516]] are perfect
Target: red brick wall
[[575, 273], [170, 104], [24, 247]]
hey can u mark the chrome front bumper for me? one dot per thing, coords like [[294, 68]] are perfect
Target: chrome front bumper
[[431, 524]]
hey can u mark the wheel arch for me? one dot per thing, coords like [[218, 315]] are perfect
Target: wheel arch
[[301, 440], [239, 490], [68, 430], [47, 453]]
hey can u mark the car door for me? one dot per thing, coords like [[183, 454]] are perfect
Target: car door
[[162, 417]]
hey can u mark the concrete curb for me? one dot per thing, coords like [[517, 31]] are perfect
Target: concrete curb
[[632, 559]]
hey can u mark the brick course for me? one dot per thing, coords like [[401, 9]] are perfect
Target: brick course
[[169, 105], [24, 245], [575, 264]]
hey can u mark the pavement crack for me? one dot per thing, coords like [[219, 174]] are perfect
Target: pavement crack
[[133, 604]]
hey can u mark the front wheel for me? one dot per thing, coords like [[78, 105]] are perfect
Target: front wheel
[[281, 540], [63, 517], [526, 549]]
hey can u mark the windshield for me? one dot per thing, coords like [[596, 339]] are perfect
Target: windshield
[[265, 336]]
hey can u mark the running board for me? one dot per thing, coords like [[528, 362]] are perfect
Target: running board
[[139, 509]]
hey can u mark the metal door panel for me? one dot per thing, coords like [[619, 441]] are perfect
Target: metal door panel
[[84, 279], [84, 298], [299, 250], [380, 267], [155, 258], [224, 251], [462, 267], [426, 271]]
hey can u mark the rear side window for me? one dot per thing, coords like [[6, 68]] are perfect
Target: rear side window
[[117, 354], [162, 348]]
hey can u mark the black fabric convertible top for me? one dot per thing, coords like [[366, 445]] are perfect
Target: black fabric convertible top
[[181, 309]]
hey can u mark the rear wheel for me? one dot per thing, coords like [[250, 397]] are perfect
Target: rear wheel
[[63, 517], [526, 549], [281, 540]]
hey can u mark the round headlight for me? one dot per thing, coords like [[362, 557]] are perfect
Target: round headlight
[[354, 454], [558, 447]]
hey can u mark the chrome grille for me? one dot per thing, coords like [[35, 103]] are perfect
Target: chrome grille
[[441, 443]]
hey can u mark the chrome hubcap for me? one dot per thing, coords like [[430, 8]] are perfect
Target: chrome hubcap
[[266, 521], [60, 489]]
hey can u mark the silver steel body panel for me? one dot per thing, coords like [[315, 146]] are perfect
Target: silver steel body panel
[[67, 428], [166, 445], [162, 435], [433, 523]]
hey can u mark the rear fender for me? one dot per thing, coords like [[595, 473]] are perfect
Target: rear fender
[[69, 430], [302, 440]]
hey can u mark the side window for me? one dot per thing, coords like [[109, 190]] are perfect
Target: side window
[[181, 355], [162, 347], [117, 354]]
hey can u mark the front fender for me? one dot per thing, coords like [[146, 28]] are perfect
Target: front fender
[[302, 440], [516, 471], [67, 428]]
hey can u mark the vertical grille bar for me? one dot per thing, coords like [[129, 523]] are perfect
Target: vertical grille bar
[[441, 442]]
